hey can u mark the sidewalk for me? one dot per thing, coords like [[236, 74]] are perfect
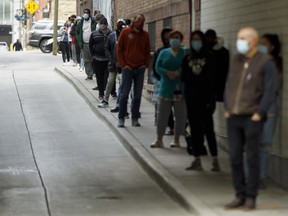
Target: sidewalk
[[199, 192]]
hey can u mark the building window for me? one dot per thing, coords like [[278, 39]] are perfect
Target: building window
[[152, 35]]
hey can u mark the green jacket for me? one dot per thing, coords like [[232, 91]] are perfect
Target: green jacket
[[79, 30]]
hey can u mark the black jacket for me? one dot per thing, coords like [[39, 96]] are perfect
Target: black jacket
[[110, 51], [97, 45]]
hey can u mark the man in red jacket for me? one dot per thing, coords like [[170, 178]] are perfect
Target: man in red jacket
[[133, 52]]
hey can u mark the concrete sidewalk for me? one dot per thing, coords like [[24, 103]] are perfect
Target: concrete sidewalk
[[199, 192]]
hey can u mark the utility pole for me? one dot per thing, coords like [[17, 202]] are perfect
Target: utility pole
[[55, 30]]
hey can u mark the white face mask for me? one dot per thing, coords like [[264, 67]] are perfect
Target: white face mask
[[242, 46], [86, 16]]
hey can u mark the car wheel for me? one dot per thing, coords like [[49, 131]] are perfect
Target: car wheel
[[45, 47]]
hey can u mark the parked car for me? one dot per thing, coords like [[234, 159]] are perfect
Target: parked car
[[41, 32], [3, 47]]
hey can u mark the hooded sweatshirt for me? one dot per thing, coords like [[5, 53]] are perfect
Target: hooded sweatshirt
[[156, 54]]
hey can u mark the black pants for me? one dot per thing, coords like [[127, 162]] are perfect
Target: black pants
[[100, 69], [243, 133], [65, 51], [201, 123]]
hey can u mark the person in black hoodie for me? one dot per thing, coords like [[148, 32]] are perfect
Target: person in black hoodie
[[165, 41], [97, 43], [198, 74], [221, 54], [113, 68]]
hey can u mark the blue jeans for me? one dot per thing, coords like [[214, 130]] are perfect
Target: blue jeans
[[135, 76], [267, 139]]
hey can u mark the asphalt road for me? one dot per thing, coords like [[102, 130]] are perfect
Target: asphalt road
[[57, 157]]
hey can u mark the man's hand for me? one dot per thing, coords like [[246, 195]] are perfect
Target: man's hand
[[127, 67], [256, 117], [226, 114]]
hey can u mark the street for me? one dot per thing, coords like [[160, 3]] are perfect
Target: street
[[57, 157]]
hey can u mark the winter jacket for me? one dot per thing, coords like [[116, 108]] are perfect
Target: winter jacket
[[79, 31], [97, 43], [110, 51]]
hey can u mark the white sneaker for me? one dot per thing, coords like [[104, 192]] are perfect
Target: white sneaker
[[64, 64]]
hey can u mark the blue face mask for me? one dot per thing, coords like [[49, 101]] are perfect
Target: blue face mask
[[263, 49], [242, 46], [196, 45], [174, 42]]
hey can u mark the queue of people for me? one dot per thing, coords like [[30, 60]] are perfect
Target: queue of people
[[189, 81]]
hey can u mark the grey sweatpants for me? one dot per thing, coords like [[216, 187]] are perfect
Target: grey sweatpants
[[180, 114]]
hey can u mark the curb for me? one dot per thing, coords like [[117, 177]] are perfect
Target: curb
[[167, 182]]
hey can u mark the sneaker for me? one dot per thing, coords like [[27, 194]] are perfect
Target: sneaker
[[64, 64], [101, 97], [103, 104], [135, 123], [121, 123], [234, 204], [215, 165], [114, 110], [250, 204], [89, 78], [195, 165], [68, 63], [175, 144], [127, 116], [157, 144]]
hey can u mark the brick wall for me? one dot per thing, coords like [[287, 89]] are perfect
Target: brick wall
[[226, 17], [156, 11]]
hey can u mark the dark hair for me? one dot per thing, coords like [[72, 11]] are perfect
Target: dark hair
[[274, 40], [203, 50], [211, 33], [173, 32], [88, 10]]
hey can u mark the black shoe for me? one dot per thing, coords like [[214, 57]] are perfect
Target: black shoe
[[89, 78], [95, 88], [114, 110], [101, 97], [234, 204], [262, 184]]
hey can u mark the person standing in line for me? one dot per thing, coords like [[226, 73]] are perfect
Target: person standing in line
[[171, 94], [221, 54], [113, 69], [198, 74], [133, 52], [83, 31], [97, 43], [64, 44], [165, 41], [17, 46], [249, 93], [270, 44]]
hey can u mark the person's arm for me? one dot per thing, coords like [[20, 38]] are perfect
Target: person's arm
[[147, 51], [269, 83], [91, 44], [121, 49]]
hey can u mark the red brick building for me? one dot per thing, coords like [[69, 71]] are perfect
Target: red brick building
[[158, 14]]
